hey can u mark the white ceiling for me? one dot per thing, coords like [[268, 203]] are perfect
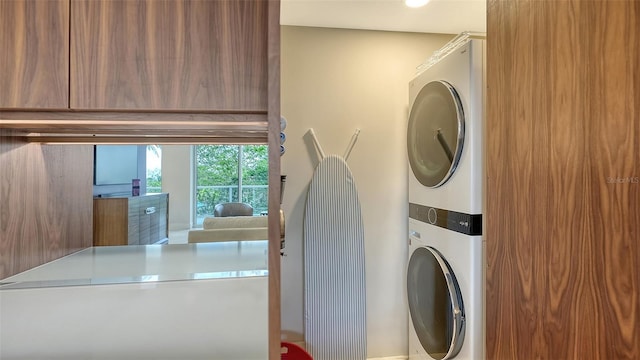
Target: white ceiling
[[438, 16]]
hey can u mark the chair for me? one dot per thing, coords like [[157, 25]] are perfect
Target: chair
[[291, 351], [233, 209]]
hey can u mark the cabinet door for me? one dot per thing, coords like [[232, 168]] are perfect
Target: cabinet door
[[134, 221], [163, 217], [34, 60], [158, 218], [145, 211], [169, 55], [110, 221]]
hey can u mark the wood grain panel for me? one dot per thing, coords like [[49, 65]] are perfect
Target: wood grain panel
[[142, 139], [161, 127], [146, 220], [45, 202], [133, 228], [563, 202], [173, 54], [34, 38], [614, 106], [275, 327], [163, 218], [111, 216]]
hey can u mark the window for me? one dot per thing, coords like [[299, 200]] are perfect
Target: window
[[230, 173], [154, 169]]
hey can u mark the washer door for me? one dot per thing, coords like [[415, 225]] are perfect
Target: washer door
[[435, 303], [435, 133]]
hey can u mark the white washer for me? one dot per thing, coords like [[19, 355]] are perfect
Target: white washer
[[444, 146], [445, 295]]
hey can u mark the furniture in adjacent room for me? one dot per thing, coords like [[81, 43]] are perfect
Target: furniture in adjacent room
[[233, 209], [230, 228], [133, 220]]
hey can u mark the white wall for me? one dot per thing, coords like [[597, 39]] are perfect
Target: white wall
[[177, 180], [336, 81]]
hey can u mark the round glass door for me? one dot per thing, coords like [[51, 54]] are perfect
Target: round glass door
[[435, 303], [435, 133]]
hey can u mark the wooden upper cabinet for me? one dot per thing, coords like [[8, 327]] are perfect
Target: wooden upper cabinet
[[193, 55], [34, 54]]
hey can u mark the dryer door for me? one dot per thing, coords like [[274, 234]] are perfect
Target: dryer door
[[435, 133], [435, 303]]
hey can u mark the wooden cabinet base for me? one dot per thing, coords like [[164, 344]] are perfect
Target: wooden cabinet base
[[136, 220]]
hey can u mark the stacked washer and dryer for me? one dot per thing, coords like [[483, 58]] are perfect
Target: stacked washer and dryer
[[444, 144]]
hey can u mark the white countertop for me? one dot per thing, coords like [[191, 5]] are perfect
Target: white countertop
[[147, 263]]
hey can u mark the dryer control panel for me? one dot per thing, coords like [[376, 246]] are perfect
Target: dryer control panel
[[469, 224]]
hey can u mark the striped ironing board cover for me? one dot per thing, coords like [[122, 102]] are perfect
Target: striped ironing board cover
[[335, 296]]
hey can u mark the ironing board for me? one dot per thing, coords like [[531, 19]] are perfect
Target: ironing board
[[335, 297]]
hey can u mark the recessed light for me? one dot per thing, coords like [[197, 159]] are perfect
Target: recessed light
[[415, 3]]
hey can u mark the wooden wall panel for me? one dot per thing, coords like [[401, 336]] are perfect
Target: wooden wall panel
[[274, 118], [563, 200], [34, 38], [46, 202]]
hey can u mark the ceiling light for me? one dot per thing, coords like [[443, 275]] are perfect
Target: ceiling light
[[415, 3]]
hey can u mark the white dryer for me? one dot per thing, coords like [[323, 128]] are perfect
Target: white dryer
[[444, 145], [445, 129]]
